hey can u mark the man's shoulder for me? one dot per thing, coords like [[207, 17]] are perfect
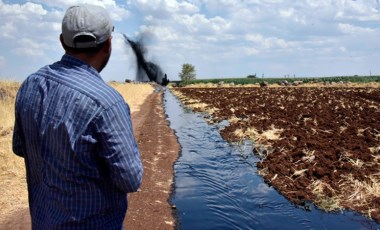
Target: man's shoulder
[[104, 94], [77, 80], [95, 89]]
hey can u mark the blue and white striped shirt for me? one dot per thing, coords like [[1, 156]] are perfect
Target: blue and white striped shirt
[[76, 136]]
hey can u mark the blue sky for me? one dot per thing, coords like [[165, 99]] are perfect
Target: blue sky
[[221, 38]]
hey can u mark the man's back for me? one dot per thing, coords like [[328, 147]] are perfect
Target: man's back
[[76, 136]]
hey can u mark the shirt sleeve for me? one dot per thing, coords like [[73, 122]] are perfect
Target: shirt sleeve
[[118, 147], [18, 142]]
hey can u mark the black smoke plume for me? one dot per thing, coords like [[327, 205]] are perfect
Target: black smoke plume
[[146, 69]]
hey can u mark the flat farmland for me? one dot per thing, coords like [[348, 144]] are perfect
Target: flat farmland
[[318, 144]]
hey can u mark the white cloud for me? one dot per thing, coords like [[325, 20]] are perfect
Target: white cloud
[[7, 30], [200, 24], [35, 25], [251, 51], [164, 9], [275, 35], [30, 48], [222, 6], [351, 29], [163, 33], [29, 29], [286, 13], [26, 18], [229, 30], [21, 12], [359, 10], [116, 11], [267, 43]]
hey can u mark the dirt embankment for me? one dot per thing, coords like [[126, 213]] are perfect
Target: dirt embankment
[[159, 149]]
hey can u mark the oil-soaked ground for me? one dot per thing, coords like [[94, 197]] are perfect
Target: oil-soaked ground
[[217, 185]]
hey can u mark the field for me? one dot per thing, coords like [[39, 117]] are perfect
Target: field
[[13, 190], [251, 81], [318, 144], [12, 170]]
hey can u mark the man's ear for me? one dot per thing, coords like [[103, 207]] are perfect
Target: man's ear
[[62, 42], [108, 45]]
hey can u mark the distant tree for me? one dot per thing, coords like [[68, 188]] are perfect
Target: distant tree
[[187, 73], [251, 76]]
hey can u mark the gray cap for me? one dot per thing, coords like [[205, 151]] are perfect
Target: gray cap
[[86, 20]]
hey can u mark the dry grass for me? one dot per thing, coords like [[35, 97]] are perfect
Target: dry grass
[[357, 193], [194, 104], [13, 189], [271, 134], [298, 173], [328, 203], [376, 149], [134, 94], [8, 91], [250, 133], [12, 171], [234, 119], [309, 155], [361, 191]]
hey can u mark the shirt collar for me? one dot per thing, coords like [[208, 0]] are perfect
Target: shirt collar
[[76, 62]]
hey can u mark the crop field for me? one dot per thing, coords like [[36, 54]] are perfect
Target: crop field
[[251, 81], [318, 144]]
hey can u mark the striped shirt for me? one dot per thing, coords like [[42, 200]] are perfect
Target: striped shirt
[[81, 158]]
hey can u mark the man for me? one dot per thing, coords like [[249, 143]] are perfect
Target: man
[[75, 133]]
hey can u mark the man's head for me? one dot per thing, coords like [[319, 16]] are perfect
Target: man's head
[[86, 32]]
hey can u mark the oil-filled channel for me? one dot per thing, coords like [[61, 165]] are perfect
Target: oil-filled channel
[[217, 185]]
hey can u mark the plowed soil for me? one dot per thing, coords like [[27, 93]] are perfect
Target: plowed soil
[[316, 144]]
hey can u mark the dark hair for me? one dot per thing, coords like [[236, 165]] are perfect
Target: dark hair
[[85, 38]]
